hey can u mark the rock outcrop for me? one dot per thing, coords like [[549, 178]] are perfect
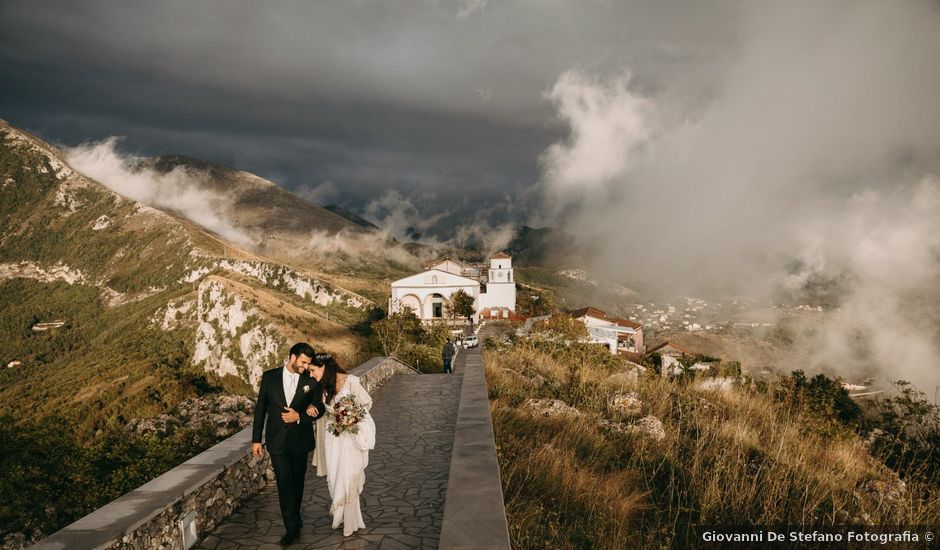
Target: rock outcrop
[[550, 408], [648, 426], [224, 414], [625, 404]]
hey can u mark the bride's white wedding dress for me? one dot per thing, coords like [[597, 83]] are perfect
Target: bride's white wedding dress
[[343, 459]]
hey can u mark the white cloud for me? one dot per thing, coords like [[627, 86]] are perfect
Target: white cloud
[[606, 122], [470, 7], [818, 145], [324, 193], [402, 218], [176, 190]]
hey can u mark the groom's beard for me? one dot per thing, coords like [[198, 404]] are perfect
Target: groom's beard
[[293, 368]]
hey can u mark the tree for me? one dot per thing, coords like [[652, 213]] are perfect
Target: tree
[[396, 330], [561, 327], [461, 305], [367, 325]]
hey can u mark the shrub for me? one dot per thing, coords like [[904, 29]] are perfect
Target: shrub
[[822, 397], [904, 432], [68, 479]]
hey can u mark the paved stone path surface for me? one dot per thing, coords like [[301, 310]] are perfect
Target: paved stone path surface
[[406, 480]]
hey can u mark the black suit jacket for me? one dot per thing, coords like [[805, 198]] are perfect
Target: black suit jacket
[[282, 437]]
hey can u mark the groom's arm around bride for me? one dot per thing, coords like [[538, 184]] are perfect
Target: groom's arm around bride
[[276, 421]]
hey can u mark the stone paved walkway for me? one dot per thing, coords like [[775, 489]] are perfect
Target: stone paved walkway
[[406, 480]]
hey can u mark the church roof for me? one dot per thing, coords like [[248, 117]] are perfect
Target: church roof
[[439, 261], [500, 256], [446, 280]]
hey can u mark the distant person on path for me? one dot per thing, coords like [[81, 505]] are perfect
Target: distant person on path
[[447, 354], [344, 440], [290, 399]]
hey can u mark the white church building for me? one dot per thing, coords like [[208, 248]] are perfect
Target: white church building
[[493, 288]]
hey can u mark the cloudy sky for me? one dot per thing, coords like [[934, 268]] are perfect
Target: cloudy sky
[[689, 123], [750, 147], [443, 102]]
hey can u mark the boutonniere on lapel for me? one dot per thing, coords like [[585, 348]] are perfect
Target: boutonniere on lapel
[[306, 389]]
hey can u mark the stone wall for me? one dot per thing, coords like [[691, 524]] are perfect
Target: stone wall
[[474, 512], [211, 485], [378, 369]]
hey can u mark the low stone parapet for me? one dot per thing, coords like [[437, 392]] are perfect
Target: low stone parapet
[[474, 512], [378, 369], [210, 486]]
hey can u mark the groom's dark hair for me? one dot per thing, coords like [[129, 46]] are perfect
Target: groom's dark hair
[[302, 348]]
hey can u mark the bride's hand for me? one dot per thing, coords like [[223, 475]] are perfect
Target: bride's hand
[[311, 411]]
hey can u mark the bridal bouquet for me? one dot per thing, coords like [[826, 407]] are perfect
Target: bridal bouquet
[[347, 413]]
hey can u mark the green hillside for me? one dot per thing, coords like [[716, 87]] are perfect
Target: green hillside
[[113, 311], [101, 368], [105, 364], [153, 308], [596, 454]]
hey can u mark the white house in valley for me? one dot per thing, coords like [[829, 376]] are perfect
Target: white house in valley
[[621, 336], [493, 288]]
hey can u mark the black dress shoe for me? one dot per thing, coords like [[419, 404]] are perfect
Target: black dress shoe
[[289, 538]]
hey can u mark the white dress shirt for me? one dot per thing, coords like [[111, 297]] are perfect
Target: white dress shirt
[[290, 384]]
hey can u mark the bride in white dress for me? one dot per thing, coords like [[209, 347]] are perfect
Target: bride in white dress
[[343, 458]]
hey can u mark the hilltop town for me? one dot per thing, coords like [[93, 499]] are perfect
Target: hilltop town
[[757, 335]]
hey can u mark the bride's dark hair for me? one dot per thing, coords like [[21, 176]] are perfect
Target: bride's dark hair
[[330, 369]]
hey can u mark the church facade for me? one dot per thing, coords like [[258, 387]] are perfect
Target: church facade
[[492, 287]]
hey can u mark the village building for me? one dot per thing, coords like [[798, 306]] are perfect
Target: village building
[[492, 287], [620, 335], [670, 353], [669, 349]]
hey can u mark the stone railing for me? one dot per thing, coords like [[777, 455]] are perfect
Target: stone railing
[[474, 512], [174, 510], [378, 369]]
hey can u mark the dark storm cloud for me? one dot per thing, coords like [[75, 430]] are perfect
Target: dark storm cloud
[[436, 100]]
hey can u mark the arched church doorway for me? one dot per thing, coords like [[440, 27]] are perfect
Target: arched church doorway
[[437, 306]]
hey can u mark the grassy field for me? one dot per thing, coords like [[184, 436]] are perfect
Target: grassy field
[[103, 366], [734, 457]]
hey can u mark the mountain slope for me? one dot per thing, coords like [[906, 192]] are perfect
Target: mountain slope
[[547, 247], [115, 310], [261, 207], [351, 216], [289, 230]]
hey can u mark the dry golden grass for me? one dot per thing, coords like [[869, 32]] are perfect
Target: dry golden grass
[[728, 458], [296, 323]]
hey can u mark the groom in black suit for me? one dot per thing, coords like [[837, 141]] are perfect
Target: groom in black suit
[[283, 398]]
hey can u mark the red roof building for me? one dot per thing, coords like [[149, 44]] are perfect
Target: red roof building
[[621, 335]]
